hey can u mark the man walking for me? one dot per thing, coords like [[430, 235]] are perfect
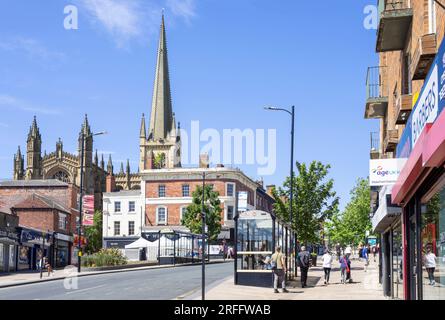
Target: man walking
[[303, 261], [338, 251], [279, 269]]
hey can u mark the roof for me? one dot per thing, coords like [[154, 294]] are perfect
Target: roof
[[37, 201], [122, 193], [33, 183]]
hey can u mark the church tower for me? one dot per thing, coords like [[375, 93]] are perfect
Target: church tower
[[19, 162], [34, 153], [160, 147], [88, 182]]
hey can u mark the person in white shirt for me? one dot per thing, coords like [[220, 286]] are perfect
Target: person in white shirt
[[430, 264], [327, 265]]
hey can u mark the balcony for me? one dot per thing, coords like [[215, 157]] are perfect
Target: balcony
[[375, 145], [391, 140], [376, 93], [394, 25], [404, 105], [423, 56]]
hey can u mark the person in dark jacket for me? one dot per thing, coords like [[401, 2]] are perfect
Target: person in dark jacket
[[303, 262]]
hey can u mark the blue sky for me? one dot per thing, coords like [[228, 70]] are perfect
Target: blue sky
[[227, 60]]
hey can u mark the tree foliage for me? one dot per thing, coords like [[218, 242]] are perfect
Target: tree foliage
[[314, 201], [192, 218], [94, 233], [350, 226]]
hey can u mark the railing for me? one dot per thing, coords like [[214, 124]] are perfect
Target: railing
[[375, 87], [393, 5], [375, 141]]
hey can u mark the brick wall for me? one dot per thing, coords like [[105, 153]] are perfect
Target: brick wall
[[174, 189]]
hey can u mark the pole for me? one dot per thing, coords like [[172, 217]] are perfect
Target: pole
[[292, 184], [203, 237], [79, 226], [43, 253]]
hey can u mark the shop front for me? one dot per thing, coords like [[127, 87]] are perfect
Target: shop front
[[62, 250], [9, 239], [420, 190], [34, 245]]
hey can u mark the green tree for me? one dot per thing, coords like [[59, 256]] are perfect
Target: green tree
[[94, 233], [192, 218], [351, 225], [314, 202], [159, 160]]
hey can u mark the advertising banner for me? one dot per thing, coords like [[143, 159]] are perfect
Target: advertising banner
[[428, 107], [88, 210], [385, 171]]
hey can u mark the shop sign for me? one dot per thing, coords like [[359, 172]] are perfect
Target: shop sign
[[34, 237], [88, 210], [427, 108], [384, 172], [9, 235], [64, 237]]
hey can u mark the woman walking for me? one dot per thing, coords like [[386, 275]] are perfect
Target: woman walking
[[344, 268], [430, 265], [327, 265]]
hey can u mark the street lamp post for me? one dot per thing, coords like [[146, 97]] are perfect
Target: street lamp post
[[203, 216], [292, 114], [79, 225]]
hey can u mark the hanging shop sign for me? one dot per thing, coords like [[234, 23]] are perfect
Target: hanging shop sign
[[428, 107], [35, 237], [384, 172]]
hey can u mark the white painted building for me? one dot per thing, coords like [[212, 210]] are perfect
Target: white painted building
[[123, 218]]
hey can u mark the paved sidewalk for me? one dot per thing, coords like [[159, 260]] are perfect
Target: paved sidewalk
[[28, 277], [365, 286]]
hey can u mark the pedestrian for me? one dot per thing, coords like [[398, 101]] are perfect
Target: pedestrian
[[278, 264], [47, 266], [374, 252], [344, 268], [365, 256], [327, 265], [429, 261], [303, 262]]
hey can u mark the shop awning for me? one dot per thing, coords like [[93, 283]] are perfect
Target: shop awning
[[139, 243]]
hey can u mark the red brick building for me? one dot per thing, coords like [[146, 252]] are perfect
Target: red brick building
[[47, 219]]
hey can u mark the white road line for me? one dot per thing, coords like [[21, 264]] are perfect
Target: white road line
[[81, 290]]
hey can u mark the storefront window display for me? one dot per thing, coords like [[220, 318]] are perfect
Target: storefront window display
[[12, 249], [2, 258], [433, 247]]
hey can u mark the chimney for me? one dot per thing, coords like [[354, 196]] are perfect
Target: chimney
[[110, 183], [204, 160], [269, 189]]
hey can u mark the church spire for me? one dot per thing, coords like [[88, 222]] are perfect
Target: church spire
[[110, 165], [142, 134], [161, 107]]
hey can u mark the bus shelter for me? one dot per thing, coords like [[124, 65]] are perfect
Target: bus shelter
[[257, 234]]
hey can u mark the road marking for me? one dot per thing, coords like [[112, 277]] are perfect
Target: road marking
[[81, 290]]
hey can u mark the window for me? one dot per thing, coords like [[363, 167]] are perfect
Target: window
[[431, 16], [62, 221], [162, 215], [130, 228], [185, 190], [117, 228], [117, 206], [230, 189], [182, 213], [229, 212], [161, 191], [131, 206]]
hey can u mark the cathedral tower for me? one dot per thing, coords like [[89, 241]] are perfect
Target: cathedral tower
[[160, 146], [19, 162], [34, 152]]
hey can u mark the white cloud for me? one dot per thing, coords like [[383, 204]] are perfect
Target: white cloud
[[183, 8], [31, 47], [16, 103], [123, 19]]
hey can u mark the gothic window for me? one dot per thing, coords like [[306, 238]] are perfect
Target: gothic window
[[62, 176]]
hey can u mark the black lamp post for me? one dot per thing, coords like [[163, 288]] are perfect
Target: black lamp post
[[292, 114], [79, 225]]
